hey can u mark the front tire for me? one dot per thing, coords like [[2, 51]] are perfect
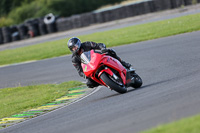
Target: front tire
[[138, 81], [109, 82]]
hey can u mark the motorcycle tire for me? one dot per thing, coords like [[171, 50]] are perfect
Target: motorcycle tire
[[114, 86], [138, 81]]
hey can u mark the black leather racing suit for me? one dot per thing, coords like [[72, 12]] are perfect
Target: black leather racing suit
[[87, 46]]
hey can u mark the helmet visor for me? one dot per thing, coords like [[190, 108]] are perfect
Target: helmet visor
[[75, 47]]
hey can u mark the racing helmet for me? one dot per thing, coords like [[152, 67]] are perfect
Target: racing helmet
[[74, 45]]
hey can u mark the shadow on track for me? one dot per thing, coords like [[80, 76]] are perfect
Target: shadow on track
[[150, 85], [132, 90]]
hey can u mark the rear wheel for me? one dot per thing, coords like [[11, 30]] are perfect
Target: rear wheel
[[137, 81], [112, 84]]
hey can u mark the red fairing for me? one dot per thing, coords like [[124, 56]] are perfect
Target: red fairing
[[94, 64], [98, 60], [115, 64], [108, 71]]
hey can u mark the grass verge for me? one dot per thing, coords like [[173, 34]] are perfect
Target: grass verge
[[18, 99], [110, 38], [186, 125]]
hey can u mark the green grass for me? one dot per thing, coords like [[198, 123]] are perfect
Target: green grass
[[110, 38], [186, 125], [16, 100]]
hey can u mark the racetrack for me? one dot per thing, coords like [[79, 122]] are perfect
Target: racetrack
[[170, 71]]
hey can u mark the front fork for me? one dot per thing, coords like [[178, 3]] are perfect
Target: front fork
[[129, 78]]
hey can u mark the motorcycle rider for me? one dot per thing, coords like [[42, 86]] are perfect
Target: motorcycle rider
[[76, 47]]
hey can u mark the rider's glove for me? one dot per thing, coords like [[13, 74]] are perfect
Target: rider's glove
[[104, 50]]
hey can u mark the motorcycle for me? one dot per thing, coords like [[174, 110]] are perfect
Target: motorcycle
[[108, 71]]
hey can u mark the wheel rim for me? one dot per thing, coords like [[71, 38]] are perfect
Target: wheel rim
[[117, 82]]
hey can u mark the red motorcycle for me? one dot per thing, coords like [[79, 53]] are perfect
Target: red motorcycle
[[108, 71]]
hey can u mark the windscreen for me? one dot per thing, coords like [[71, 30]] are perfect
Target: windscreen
[[85, 57]]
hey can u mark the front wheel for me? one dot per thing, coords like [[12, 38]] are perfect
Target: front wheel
[[112, 84], [137, 81]]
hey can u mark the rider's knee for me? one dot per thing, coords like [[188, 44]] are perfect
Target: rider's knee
[[91, 84]]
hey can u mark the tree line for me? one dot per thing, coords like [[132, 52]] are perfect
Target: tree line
[[17, 11]]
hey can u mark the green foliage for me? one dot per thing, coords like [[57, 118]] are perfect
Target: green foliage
[[9, 5], [27, 11], [5, 22], [20, 10], [70, 7]]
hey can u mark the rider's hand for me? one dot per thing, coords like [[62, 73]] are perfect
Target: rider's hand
[[104, 50]]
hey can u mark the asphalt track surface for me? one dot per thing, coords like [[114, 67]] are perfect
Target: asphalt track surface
[[168, 66]]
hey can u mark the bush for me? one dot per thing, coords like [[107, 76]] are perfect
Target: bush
[[39, 8], [6, 22], [9, 5], [26, 11], [70, 7]]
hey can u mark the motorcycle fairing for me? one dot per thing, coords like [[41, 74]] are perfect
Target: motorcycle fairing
[[97, 60], [115, 64]]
